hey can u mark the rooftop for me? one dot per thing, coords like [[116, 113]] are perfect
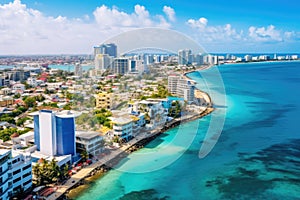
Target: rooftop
[[87, 135], [120, 120]]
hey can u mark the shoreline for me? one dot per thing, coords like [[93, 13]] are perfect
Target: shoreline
[[106, 163], [259, 62]]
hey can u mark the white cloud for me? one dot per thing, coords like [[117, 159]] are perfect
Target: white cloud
[[27, 31], [113, 17], [200, 23], [170, 13], [213, 33], [265, 34], [226, 33]]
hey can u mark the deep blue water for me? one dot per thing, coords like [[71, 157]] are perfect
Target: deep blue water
[[257, 155]]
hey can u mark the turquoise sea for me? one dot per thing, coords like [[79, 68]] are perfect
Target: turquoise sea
[[70, 68], [257, 155]]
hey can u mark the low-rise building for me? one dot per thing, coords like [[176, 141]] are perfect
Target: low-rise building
[[6, 101], [91, 142], [18, 88], [104, 100], [122, 127], [5, 91], [155, 112]]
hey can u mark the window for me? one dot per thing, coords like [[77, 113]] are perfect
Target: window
[[16, 180], [27, 174], [17, 171], [27, 182], [26, 167]]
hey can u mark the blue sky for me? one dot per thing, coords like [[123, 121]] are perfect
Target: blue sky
[[70, 26]]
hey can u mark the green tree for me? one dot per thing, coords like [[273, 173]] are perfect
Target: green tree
[[84, 155], [47, 172], [30, 102]]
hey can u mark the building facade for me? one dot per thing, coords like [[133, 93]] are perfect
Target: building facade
[[91, 142], [78, 70], [181, 87], [185, 57], [122, 127], [121, 66], [104, 100], [15, 173], [54, 132], [103, 62], [109, 48]]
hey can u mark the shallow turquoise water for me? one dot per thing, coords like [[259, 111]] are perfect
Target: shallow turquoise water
[[70, 68], [256, 157]]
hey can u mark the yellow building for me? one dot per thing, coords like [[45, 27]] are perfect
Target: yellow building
[[6, 101], [104, 100]]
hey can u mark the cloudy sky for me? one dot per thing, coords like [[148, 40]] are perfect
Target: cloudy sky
[[75, 26]]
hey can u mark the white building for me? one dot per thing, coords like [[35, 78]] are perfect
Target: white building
[[248, 58], [15, 173], [185, 57], [78, 70], [103, 62], [122, 127], [54, 86], [18, 87], [91, 142], [182, 87], [5, 91], [154, 109]]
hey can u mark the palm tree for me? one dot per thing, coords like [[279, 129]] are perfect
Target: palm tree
[[84, 155]]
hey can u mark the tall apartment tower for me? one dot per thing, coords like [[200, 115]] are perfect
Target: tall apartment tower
[[121, 66], [109, 48], [78, 70], [103, 62], [185, 57], [54, 132]]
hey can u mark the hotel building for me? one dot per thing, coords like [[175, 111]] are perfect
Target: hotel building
[[181, 87], [54, 132]]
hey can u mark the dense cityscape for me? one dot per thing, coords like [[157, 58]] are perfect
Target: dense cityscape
[[54, 122]]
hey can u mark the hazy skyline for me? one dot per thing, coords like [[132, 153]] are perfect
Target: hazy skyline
[[54, 27]]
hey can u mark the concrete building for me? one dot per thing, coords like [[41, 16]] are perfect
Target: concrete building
[[198, 59], [15, 173], [155, 111], [121, 66], [185, 57], [109, 48], [248, 58], [104, 100], [78, 70], [91, 142], [103, 62], [181, 87], [6, 101], [54, 132], [122, 127], [18, 87], [5, 91]]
